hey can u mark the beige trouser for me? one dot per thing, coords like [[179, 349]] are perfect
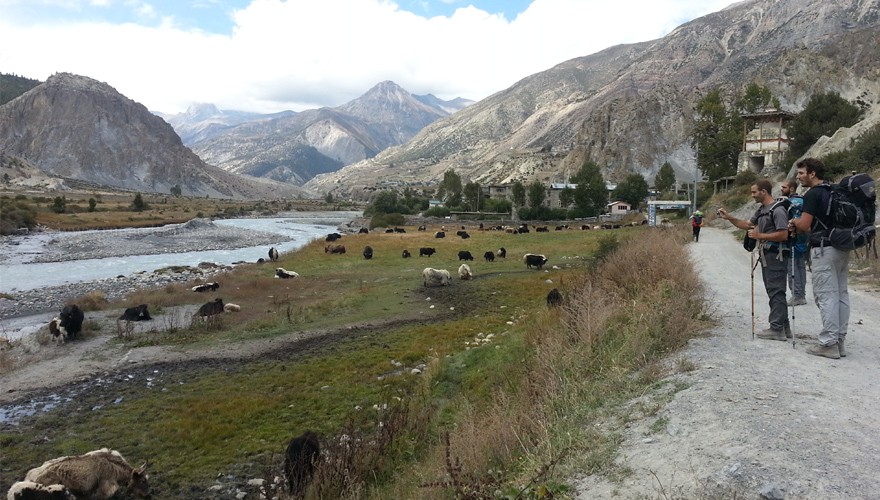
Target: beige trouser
[[830, 267]]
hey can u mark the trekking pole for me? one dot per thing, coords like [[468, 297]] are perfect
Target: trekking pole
[[753, 265], [791, 326]]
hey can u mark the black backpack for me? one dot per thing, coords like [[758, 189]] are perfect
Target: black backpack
[[852, 210]]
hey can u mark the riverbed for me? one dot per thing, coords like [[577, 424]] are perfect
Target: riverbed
[[38, 284]]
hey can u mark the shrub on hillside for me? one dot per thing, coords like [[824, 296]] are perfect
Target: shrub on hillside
[[15, 215], [387, 220], [436, 212], [745, 178]]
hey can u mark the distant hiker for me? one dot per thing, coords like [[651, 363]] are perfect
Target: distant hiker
[[797, 278], [829, 265], [697, 223], [769, 226]]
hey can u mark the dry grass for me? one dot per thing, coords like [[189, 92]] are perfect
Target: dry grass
[[642, 303]]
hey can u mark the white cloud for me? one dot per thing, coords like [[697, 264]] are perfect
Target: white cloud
[[302, 54]]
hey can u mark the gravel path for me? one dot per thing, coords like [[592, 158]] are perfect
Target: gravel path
[[758, 418]]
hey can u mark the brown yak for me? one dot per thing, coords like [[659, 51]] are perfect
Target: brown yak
[[97, 475]]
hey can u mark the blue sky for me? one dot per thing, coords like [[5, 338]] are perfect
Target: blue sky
[[271, 55]]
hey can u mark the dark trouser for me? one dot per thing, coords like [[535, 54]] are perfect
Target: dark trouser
[[696, 233], [775, 274]]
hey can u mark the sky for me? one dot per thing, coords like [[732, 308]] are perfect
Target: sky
[[272, 55]]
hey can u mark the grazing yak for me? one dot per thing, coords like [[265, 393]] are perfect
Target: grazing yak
[[502, 253], [440, 234], [71, 320], [554, 298], [206, 287], [29, 490], [209, 309], [464, 272], [333, 237], [534, 260], [489, 256], [368, 252], [97, 475], [273, 254], [363, 230], [427, 251], [399, 230], [136, 313], [58, 332], [406, 254], [230, 307], [334, 249], [284, 274], [435, 277], [300, 458], [465, 255], [423, 228], [463, 234]]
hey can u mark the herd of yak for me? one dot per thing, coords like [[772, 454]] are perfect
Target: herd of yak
[[102, 473]]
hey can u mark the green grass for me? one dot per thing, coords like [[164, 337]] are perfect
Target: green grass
[[236, 416]]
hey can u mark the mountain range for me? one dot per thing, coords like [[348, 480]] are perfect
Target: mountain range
[[73, 127], [629, 108], [294, 147]]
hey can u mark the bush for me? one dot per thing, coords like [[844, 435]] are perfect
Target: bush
[[16, 215], [387, 220], [746, 178], [436, 212]]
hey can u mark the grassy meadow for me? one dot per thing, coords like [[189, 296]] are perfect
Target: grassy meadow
[[504, 404]]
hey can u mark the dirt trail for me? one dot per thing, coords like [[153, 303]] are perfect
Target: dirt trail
[[758, 417]]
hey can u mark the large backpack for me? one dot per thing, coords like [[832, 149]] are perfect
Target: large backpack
[[852, 211]]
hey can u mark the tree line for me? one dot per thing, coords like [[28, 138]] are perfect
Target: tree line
[[586, 196]]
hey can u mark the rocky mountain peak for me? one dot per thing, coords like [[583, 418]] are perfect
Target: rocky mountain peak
[[201, 111], [630, 108], [76, 127]]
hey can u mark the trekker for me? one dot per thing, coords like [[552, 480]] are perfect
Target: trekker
[[769, 226], [828, 264], [797, 278], [697, 223]]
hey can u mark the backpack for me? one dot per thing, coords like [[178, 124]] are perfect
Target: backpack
[[799, 244], [852, 210], [697, 220], [749, 244]]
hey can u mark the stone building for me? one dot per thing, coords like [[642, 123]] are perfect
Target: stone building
[[765, 142]]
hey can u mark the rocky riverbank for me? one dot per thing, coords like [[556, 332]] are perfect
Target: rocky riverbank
[[197, 235], [193, 236], [52, 299]]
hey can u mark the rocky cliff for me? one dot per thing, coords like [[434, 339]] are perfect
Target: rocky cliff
[[630, 108], [76, 127]]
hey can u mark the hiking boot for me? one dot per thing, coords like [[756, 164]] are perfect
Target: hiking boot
[[827, 351], [840, 348], [771, 334], [787, 330], [797, 301]]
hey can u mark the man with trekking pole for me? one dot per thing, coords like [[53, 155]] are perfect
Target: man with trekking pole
[[769, 227]]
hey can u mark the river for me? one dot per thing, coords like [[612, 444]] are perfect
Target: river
[[18, 273]]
